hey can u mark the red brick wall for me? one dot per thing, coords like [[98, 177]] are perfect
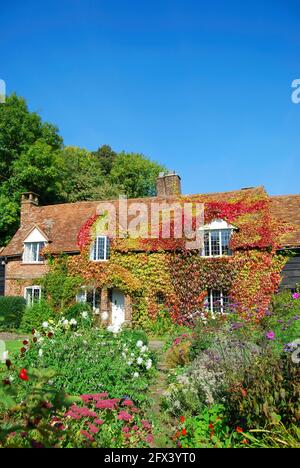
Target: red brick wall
[[19, 275]]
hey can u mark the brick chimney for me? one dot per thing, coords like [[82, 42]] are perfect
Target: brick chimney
[[168, 184], [29, 202]]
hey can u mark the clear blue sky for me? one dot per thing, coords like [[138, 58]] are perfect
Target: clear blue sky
[[203, 87]]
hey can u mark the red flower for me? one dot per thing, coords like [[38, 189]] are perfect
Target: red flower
[[182, 419], [211, 426], [239, 430], [25, 342], [245, 441], [183, 432], [23, 375]]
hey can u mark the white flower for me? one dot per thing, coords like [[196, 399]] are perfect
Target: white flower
[[129, 363], [148, 364], [40, 352], [136, 375], [139, 361], [73, 322], [85, 315], [139, 344], [144, 349], [45, 325], [66, 322], [124, 355], [132, 354]]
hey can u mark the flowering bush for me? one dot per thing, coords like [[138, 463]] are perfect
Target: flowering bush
[[49, 418], [101, 421], [89, 360], [209, 430]]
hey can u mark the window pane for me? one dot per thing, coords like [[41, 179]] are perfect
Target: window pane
[[36, 294], [107, 248], [225, 303], [41, 246], [216, 299], [81, 296], [100, 248], [29, 296], [225, 236], [206, 244], [215, 242]]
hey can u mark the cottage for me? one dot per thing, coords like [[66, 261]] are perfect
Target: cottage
[[250, 246]]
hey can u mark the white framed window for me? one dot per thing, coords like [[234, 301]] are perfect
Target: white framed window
[[32, 252], [32, 294], [100, 249], [217, 302], [217, 237], [90, 296]]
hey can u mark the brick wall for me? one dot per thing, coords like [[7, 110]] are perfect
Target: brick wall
[[19, 275]]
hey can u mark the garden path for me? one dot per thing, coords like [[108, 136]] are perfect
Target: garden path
[[156, 391]]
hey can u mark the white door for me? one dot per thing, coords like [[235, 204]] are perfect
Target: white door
[[118, 308]]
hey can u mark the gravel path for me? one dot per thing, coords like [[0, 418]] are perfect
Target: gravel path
[[7, 336]]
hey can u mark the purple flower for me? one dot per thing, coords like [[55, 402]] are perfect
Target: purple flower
[[270, 335], [296, 296]]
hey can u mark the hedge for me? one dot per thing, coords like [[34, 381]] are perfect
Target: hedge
[[11, 312]]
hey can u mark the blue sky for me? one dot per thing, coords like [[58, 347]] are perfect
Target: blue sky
[[202, 87]]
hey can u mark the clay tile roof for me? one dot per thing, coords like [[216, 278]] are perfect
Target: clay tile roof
[[287, 208], [62, 223]]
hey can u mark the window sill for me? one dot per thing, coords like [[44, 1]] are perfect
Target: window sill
[[98, 261], [33, 263]]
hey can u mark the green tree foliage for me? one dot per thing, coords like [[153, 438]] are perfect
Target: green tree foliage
[[105, 157], [28, 161], [83, 178], [137, 174]]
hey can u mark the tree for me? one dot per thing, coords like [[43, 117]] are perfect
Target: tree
[[19, 129], [83, 178], [28, 161], [136, 173], [105, 157]]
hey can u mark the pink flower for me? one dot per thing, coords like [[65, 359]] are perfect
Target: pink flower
[[270, 335], [106, 404], [127, 403], [98, 421], [87, 435], [146, 424], [296, 296], [123, 416], [150, 439], [125, 429], [93, 429]]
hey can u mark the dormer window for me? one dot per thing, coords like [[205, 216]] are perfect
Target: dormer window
[[33, 246], [32, 252], [217, 237], [100, 249]]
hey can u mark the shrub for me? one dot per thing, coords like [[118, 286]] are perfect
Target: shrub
[[50, 418], [35, 315], [210, 429], [91, 360], [11, 312], [179, 353], [204, 381], [75, 311], [268, 393]]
